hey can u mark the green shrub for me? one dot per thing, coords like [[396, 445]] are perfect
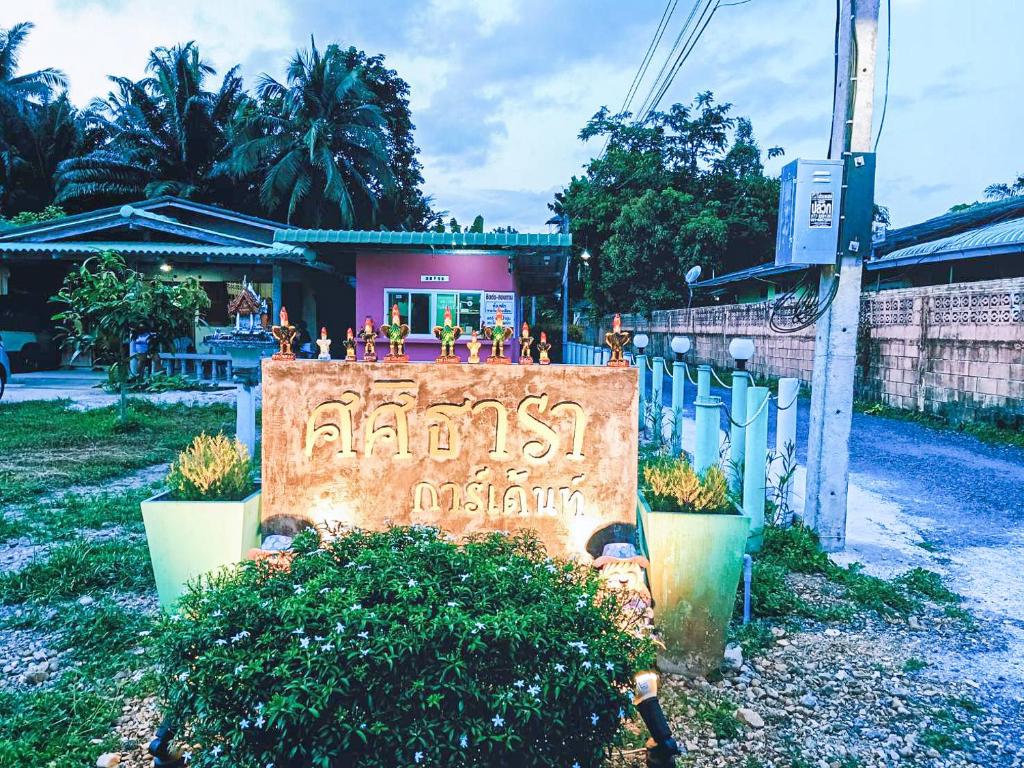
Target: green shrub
[[672, 485], [212, 468], [401, 647]]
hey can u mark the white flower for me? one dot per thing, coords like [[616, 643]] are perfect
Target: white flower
[[498, 721], [463, 741], [239, 668], [452, 603], [357, 606], [594, 718], [304, 642], [260, 721], [339, 627], [325, 590], [463, 576], [622, 713], [576, 765], [318, 638], [222, 641], [260, 707], [327, 647], [364, 635], [418, 757], [365, 652], [217, 750], [550, 568], [183, 677], [244, 724], [519, 683], [299, 631], [298, 589], [526, 577], [609, 666], [187, 756], [413, 583], [217, 614], [559, 667], [587, 665], [533, 690]]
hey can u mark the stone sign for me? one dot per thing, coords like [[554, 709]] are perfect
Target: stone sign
[[467, 448]]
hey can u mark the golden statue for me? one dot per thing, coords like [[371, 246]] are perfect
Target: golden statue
[[396, 333], [324, 344], [369, 336], [525, 342], [349, 344], [473, 345], [542, 349], [498, 334], [447, 334], [617, 338], [285, 334]]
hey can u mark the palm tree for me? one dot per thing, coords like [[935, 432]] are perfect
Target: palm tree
[[1005, 191], [163, 134], [18, 91], [319, 144]]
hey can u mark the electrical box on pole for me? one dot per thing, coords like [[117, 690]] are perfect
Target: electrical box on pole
[[810, 198]]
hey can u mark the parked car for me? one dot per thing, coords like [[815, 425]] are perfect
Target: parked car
[[5, 368], [26, 329]]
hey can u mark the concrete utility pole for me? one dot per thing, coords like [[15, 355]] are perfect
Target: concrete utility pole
[[835, 343]]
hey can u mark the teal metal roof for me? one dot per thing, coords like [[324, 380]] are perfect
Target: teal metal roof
[[1004, 237], [180, 250], [435, 239]]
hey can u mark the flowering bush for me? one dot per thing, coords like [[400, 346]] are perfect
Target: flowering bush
[[402, 648], [672, 485], [212, 468]]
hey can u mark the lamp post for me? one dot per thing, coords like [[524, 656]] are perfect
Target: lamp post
[[741, 350], [680, 346], [640, 342]]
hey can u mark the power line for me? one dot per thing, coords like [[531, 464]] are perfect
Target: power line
[[666, 17], [683, 56], [889, 58], [665, 64]]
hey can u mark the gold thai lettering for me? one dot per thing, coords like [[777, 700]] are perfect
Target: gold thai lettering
[[332, 431], [398, 432], [455, 504], [536, 449], [499, 451], [444, 413], [545, 501], [579, 426], [417, 498], [574, 497], [474, 499], [514, 501]]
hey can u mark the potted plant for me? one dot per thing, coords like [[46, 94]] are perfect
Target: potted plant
[[207, 518], [694, 537]]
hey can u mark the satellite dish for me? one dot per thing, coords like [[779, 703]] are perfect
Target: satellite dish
[[692, 274]]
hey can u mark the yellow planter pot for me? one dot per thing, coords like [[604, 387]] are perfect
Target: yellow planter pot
[[696, 560], [190, 538]]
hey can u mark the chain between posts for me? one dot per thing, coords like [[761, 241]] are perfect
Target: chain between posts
[[764, 404]]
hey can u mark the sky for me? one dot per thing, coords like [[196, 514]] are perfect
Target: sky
[[501, 88]]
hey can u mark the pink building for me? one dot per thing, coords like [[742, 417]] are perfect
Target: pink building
[[473, 274]]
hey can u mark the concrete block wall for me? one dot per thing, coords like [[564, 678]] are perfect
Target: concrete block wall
[[956, 349]]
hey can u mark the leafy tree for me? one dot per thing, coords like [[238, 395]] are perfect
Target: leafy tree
[[25, 218], [318, 142], [161, 135], [478, 224], [454, 225], [682, 187], [19, 91], [108, 303]]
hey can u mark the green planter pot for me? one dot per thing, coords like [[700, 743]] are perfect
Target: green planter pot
[[189, 538], [696, 560]]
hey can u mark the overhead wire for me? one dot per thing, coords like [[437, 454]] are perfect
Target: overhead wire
[[666, 17], [665, 64], [888, 66]]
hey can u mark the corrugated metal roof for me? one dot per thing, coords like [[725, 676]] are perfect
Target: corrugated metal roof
[[199, 250], [761, 271], [435, 239], [1001, 237]]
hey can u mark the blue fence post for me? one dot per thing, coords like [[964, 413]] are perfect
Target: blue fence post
[[740, 382], [641, 365], [755, 467], [678, 393]]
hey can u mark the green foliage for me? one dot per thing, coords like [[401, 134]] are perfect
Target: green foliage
[[914, 664], [997, 426], [77, 568], [162, 382], [679, 188], [672, 485], [107, 303], [754, 638], [211, 469], [76, 447], [376, 647], [26, 218]]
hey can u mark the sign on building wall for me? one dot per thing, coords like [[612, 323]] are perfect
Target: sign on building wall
[[503, 300], [468, 448]]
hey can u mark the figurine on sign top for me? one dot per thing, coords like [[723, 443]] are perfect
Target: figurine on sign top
[[396, 333], [285, 334], [498, 334], [447, 334], [617, 338], [473, 345], [350, 346], [324, 344], [368, 336], [543, 347], [525, 342]]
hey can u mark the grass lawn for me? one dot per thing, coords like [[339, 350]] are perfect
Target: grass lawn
[[45, 446], [92, 545]]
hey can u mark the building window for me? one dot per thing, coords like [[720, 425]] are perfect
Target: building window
[[422, 310]]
